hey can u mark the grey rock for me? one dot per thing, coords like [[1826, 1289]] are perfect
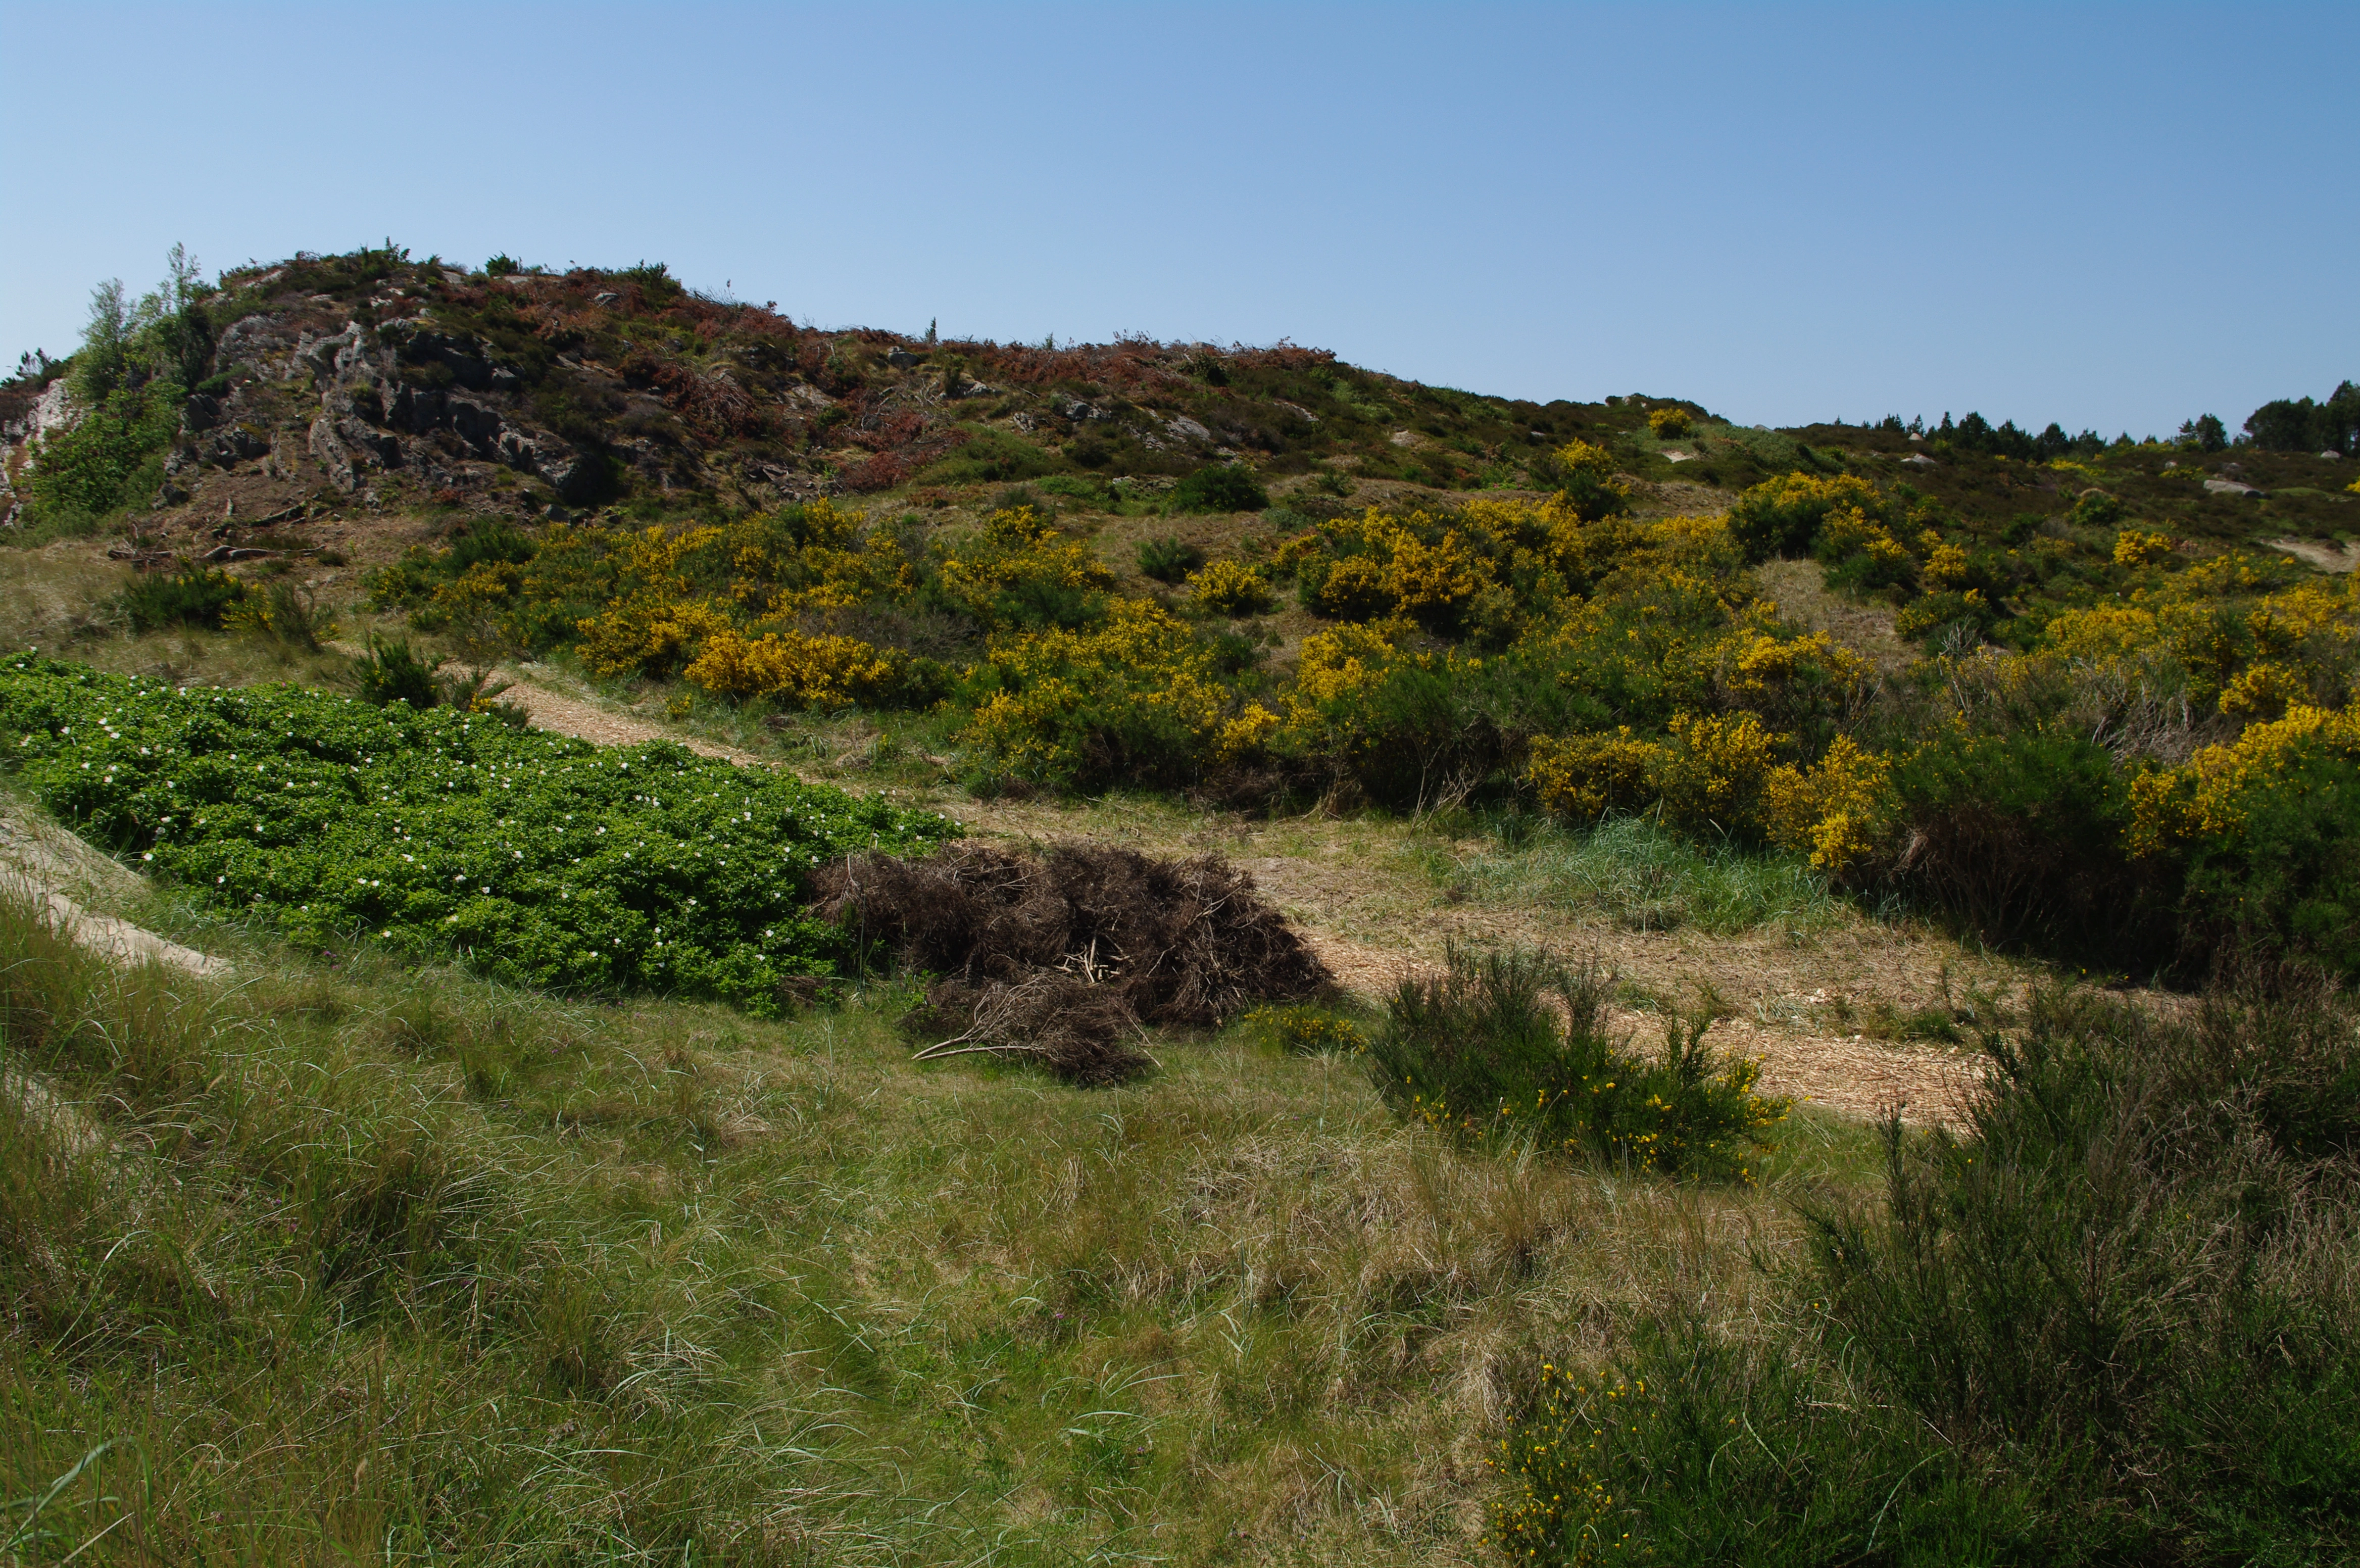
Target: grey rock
[[899, 358], [1919, 460], [200, 413], [2234, 487], [2332, 456], [232, 444], [1187, 428]]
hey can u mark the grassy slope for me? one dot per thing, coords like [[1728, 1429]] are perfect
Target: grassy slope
[[404, 1264]]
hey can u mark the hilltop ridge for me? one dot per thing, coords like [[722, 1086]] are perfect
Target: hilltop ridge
[[373, 381]]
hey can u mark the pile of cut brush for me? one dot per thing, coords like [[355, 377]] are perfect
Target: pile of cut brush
[[1064, 957]]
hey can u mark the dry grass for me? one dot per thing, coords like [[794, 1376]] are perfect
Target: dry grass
[[840, 1306]]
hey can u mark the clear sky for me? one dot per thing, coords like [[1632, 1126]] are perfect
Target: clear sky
[[2115, 216]]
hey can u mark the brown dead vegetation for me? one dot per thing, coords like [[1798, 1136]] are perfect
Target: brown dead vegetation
[[1063, 956]]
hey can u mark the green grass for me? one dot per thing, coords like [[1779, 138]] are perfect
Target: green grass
[[1632, 872], [376, 1263]]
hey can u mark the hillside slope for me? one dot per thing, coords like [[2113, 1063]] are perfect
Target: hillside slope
[[374, 381]]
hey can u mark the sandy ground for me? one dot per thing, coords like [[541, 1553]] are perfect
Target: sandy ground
[[46, 865], [2340, 557]]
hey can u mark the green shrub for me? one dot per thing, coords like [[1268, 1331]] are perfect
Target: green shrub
[[989, 456], [1223, 488], [2113, 1323], [540, 860], [1515, 1046], [1077, 487], [2021, 837], [111, 459], [2096, 508], [1168, 560], [192, 596], [389, 673]]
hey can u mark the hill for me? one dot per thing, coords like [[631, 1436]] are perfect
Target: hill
[[374, 381], [616, 1142]]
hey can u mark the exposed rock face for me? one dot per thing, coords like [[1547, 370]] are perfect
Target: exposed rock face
[[55, 411], [404, 397]]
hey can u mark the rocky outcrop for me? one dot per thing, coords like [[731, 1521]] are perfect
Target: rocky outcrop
[[56, 411]]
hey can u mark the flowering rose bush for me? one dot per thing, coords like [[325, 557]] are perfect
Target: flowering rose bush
[[538, 859]]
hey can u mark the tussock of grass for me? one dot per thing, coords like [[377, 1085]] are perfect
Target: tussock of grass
[[406, 1267], [1627, 870]]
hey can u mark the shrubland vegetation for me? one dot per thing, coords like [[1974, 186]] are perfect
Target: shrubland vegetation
[[558, 1187], [2115, 748], [2111, 1320]]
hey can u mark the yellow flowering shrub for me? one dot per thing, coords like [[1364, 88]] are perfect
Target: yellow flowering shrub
[[1017, 548], [1135, 695], [1305, 1029], [1713, 775], [1669, 423], [2263, 690], [1945, 567], [1433, 581], [1783, 516], [1835, 812], [2225, 776], [487, 587], [647, 634], [812, 672], [1585, 776], [1251, 731], [1757, 668], [283, 612], [1585, 459], [2134, 547], [1229, 588]]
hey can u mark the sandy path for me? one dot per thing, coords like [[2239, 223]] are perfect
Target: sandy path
[[38, 862], [586, 720]]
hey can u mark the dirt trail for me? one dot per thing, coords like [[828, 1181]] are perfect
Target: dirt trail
[[1356, 920], [587, 721]]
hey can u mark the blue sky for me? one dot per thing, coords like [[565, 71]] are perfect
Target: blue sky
[[2113, 217]]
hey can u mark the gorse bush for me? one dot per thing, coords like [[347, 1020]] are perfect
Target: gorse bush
[[439, 832], [1168, 560], [283, 614], [1222, 488], [191, 595], [2113, 1321], [392, 672], [1307, 1029], [1516, 1047], [2118, 749], [1229, 588]]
